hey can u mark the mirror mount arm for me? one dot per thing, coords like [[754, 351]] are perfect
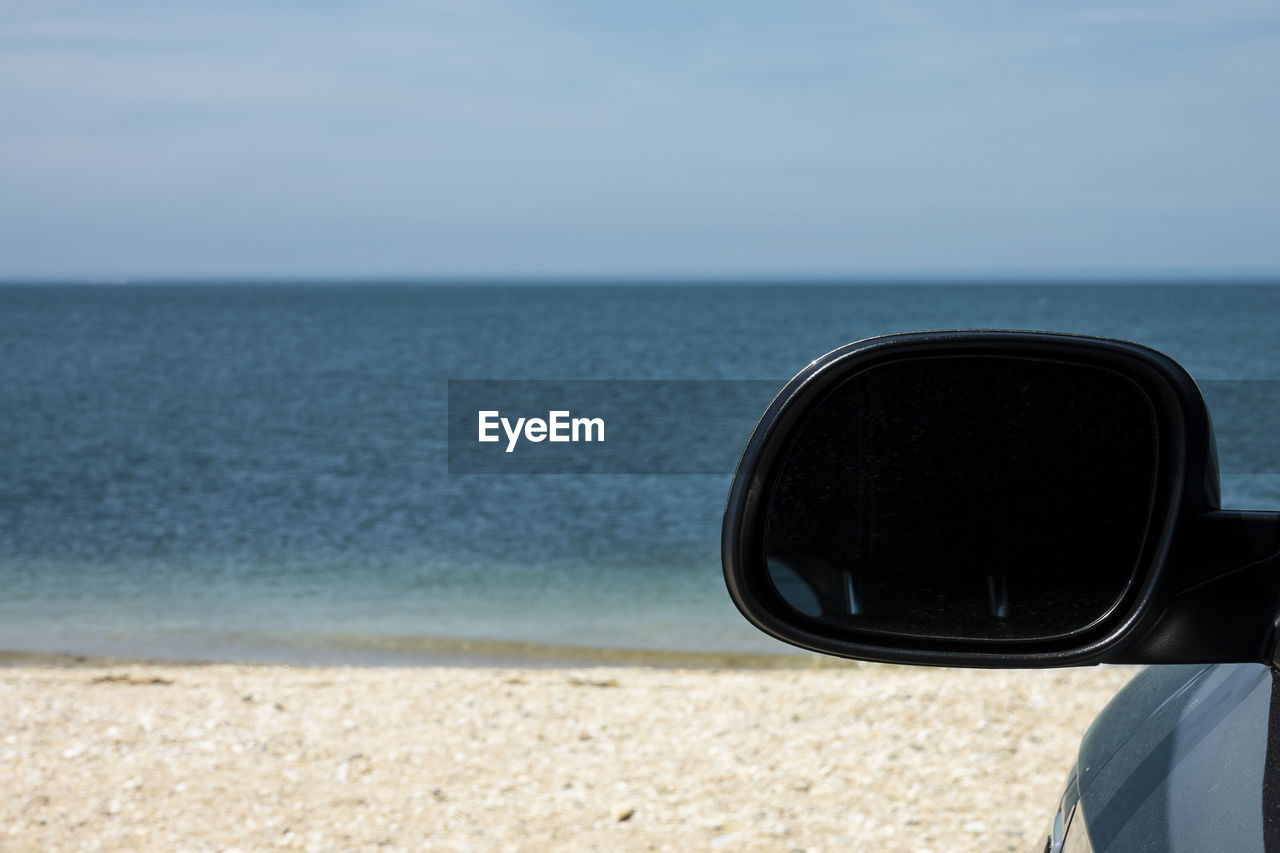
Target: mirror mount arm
[[1224, 599]]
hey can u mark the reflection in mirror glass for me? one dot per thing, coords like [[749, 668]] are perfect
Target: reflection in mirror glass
[[966, 497]]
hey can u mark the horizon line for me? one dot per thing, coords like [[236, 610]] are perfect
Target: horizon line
[[605, 279]]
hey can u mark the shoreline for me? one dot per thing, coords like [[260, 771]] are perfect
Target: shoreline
[[463, 654]]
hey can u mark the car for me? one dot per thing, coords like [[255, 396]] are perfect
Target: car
[[1032, 499]]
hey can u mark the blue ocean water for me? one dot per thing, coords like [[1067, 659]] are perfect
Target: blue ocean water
[[260, 471]]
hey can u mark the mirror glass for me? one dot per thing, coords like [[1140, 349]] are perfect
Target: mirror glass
[[978, 497]]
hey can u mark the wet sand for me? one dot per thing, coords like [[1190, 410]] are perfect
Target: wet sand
[[127, 756]]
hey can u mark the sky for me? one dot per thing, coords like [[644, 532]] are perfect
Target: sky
[[470, 138]]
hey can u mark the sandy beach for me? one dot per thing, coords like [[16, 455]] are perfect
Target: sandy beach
[[233, 757]]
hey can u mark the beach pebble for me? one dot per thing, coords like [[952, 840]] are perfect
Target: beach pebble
[[354, 767]]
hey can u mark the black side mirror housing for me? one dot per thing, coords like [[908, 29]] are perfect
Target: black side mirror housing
[[997, 499]]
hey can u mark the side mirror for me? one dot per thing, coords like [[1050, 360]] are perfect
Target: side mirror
[[997, 499]]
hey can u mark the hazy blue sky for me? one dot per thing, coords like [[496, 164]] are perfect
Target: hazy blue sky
[[473, 137]]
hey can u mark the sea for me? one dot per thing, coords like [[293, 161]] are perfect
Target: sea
[[279, 472]]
